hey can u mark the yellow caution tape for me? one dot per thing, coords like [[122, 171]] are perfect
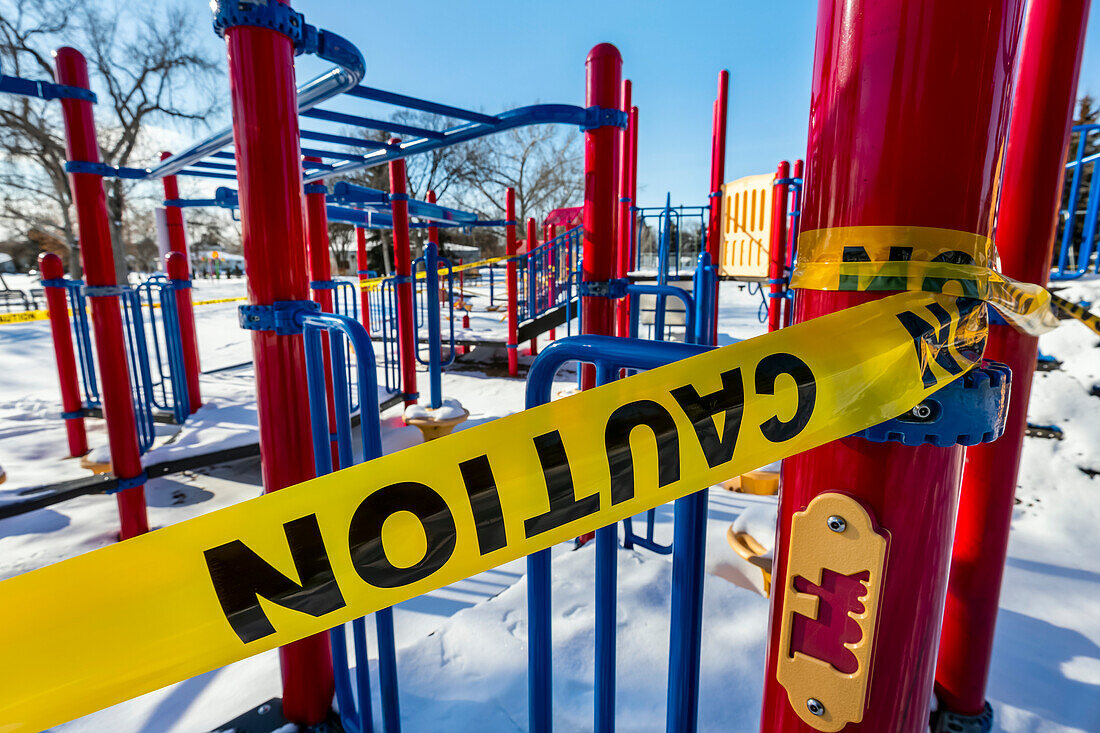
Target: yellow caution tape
[[220, 300], [24, 316], [374, 282], [918, 258], [1091, 320], [112, 624]]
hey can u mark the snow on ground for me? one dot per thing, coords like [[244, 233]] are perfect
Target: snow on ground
[[462, 655]]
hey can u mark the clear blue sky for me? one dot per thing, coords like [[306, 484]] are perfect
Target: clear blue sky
[[497, 54]]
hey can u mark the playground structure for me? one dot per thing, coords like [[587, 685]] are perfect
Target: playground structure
[[321, 342]]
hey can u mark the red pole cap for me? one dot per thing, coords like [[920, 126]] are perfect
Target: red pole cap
[[176, 265], [50, 266]]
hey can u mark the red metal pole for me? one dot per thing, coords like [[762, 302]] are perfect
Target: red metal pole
[[320, 271], [57, 302], [269, 171], [175, 264], [777, 247], [362, 270], [603, 69], [794, 219], [717, 178], [623, 224], [177, 242], [402, 263], [99, 271], [633, 184], [533, 284], [1031, 186], [511, 246], [869, 164]]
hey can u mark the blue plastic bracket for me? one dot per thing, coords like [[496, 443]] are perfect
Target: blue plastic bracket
[[315, 188], [72, 415], [281, 317], [614, 288], [323, 285], [268, 14], [54, 282], [130, 483], [596, 117], [105, 291], [179, 284]]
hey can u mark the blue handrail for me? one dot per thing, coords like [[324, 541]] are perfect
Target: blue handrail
[[610, 356], [169, 384], [355, 707]]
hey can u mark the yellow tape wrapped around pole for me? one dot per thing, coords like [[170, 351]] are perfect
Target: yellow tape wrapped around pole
[[112, 624]]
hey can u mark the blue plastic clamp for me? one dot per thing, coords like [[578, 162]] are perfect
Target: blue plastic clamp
[[269, 14], [613, 288], [130, 483], [323, 285], [596, 117], [72, 415], [281, 317], [54, 282], [105, 291], [410, 395], [946, 721], [397, 196], [315, 188], [714, 194], [967, 411], [179, 284]]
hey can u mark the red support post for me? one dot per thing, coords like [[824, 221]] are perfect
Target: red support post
[[533, 284], [717, 178], [269, 170], [57, 303], [794, 218], [177, 242], [362, 269], [1031, 186], [869, 165], [603, 69], [777, 246], [511, 246], [402, 264], [320, 271], [175, 264], [632, 244], [99, 271], [623, 213]]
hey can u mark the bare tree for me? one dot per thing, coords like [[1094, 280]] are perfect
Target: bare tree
[[147, 67], [543, 163], [341, 243]]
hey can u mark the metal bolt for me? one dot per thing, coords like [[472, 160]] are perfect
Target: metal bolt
[[921, 411], [814, 706], [837, 524]]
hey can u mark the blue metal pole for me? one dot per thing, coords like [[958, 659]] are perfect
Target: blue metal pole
[[540, 678], [662, 270], [607, 544], [435, 337], [1071, 206]]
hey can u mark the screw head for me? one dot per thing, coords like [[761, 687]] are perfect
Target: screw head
[[837, 524], [921, 411], [815, 707]]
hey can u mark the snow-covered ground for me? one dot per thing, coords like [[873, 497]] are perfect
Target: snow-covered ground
[[1046, 668]]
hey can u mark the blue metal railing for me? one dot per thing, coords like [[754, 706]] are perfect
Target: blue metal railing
[[353, 696], [169, 383], [431, 262], [78, 306], [1078, 246], [611, 356], [137, 358], [345, 302], [383, 321], [670, 247], [547, 275]]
